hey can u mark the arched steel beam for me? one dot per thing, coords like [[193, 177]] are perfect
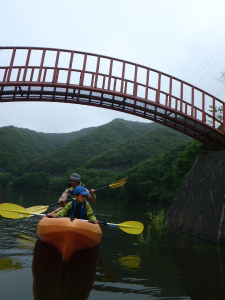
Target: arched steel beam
[[100, 81]]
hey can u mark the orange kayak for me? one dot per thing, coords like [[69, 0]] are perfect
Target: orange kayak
[[69, 236]]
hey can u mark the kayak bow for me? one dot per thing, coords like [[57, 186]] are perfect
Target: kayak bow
[[69, 236]]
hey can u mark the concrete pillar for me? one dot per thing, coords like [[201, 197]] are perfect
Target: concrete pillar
[[199, 208]]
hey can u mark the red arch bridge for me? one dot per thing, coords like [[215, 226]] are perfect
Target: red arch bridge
[[56, 75]]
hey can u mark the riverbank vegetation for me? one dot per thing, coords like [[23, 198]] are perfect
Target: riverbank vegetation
[[155, 224], [155, 159]]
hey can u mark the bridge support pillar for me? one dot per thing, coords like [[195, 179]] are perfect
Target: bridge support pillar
[[199, 208]]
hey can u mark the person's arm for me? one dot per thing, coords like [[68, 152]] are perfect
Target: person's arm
[[65, 195], [64, 212], [90, 214], [91, 198]]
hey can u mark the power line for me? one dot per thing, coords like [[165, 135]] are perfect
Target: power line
[[206, 62], [220, 91], [209, 58], [210, 67]]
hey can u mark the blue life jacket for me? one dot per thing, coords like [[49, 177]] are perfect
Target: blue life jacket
[[78, 210]]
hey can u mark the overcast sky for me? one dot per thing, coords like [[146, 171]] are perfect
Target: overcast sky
[[183, 38]]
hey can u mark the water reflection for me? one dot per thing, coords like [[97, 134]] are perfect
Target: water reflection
[[53, 279], [2, 199], [9, 264], [26, 241], [159, 265], [130, 262], [201, 265]]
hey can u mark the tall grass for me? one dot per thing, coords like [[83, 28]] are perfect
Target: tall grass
[[156, 219], [155, 223]]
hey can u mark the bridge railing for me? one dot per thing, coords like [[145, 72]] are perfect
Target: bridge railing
[[140, 85]]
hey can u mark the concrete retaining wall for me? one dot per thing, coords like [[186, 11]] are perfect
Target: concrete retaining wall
[[199, 208]]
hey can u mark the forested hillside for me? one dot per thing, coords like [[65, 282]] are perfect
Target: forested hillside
[[122, 157], [116, 145], [79, 151], [160, 178], [154, 158], [21, 145]]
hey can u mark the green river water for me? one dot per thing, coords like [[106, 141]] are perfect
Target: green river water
[[162, 264]]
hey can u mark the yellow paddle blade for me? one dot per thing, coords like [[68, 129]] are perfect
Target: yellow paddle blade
[[37, 209], [118, 183], [13, 211], [132, 227]]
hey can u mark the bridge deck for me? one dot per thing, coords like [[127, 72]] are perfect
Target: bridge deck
[[55, 75]]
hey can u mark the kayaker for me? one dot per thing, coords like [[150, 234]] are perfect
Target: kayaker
[[75, 181], [79, 208]]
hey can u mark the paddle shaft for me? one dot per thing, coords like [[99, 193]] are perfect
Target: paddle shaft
[[117, 225], [112, 185], [118, 183], [113, 224], [42, 215], [102, 188], [24, 212], [55, 203], [14, 211]]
